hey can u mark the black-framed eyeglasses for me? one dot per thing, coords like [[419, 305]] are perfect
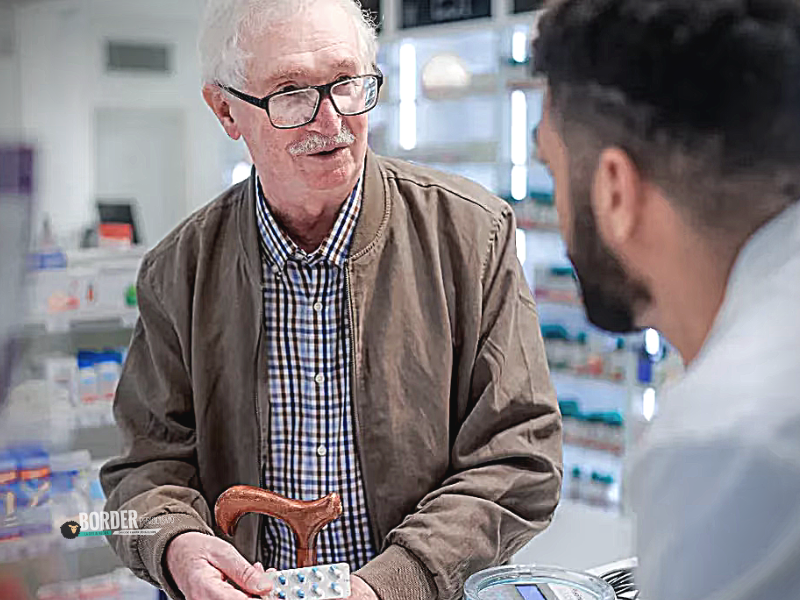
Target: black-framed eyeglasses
[[294, 108]]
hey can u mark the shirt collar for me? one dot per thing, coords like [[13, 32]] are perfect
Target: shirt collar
[[769, 250], [279, 248]]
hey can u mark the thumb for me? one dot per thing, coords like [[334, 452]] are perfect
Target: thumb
[[248, 577]]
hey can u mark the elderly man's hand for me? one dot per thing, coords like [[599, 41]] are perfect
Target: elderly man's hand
[[204, 566], [360, 590]]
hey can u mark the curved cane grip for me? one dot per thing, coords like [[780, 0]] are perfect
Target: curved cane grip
[[306, 519]]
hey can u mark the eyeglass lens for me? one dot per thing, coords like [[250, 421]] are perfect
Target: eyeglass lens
[[350, 97]]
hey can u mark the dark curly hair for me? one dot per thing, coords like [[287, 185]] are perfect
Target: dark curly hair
[[703, 94]]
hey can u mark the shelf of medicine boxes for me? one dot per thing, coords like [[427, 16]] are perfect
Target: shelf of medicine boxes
[[536, 212], [94, 287], [595, 414], [595, 374], [92, 554], [31, 544], [30, 538], [89, 290], [596, 378], [29, 548], [54, 562], [86, 304]]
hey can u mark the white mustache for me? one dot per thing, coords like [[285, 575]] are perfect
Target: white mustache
[[315, 142]]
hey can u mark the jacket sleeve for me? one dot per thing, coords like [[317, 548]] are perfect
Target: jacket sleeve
[[506, 464], [157, 477]]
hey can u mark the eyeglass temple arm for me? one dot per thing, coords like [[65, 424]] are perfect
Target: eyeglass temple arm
[[242, 96]]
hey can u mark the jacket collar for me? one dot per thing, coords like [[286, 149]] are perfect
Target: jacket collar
[[374, 209], [371, 220]]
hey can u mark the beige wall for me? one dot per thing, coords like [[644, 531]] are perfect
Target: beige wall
[[64, 84], [9, 75]]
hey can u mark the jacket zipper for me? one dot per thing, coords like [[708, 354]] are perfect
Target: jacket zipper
[[354, 404], [261, 457]]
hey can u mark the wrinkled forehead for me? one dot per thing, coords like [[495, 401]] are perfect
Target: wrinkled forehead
[[308, 45]]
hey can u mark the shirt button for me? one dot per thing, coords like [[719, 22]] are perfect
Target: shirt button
[[318, 306], [320, 378], [322, 450]]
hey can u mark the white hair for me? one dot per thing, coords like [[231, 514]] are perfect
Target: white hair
[[227, 25]]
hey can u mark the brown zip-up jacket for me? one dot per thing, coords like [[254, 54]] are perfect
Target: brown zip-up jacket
[[458, 429]]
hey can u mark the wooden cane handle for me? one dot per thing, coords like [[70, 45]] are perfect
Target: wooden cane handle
[[305, 519]]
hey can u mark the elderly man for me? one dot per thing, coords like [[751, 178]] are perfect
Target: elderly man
[[672, 129], [339, 322]]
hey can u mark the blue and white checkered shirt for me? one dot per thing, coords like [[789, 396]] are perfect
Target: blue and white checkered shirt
[[311, 431]]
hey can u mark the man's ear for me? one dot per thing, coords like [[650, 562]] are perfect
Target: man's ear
[[218, 102], [617, 196]]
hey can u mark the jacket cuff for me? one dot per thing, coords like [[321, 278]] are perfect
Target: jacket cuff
[[396, 574], [152, 549]]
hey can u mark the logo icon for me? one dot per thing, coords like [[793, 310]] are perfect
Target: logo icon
[[70, 530]]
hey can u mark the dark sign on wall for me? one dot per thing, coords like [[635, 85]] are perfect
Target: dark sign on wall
[[527, 5], [431, 12]]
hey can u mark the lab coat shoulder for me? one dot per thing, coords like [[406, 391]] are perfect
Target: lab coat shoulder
[[716, 483]]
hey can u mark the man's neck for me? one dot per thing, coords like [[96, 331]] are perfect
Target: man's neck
[[688, 298], [307, 219], [307, 229]]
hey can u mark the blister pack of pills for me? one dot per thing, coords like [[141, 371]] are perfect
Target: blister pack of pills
[[311, 583]]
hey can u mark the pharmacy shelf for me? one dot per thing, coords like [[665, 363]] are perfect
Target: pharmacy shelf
[[85, 320], [451, 154], [103, 441], [94, 431], [480, 85], [568, 383], [558, 298], [24, 549], [534, 225], [594, 445], [61, 563], [569, 374], [527, 83]]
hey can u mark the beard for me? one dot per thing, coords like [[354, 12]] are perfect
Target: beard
[[611, 296]]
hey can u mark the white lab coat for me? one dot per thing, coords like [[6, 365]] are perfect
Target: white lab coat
[[715, 484]]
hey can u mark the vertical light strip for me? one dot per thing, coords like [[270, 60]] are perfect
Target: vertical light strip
[[408, 96], [519, 46], [519, 128], [408, 72], [519, 182], [408, 124], [519, 145], [649, 404], [522, 246], [652, 342]]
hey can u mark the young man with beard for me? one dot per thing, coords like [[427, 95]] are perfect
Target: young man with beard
[[672, 130]]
